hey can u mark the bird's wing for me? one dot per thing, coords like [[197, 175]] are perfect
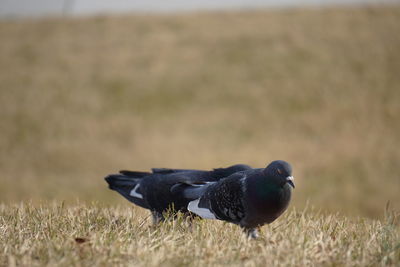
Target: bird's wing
[[204, 213], [214, 174], [225, 172], [169, 170], [222, 200]]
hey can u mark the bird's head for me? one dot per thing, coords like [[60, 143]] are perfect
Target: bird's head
[[281, 172]]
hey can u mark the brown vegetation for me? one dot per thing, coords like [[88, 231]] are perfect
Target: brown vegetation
[[92, 235], [319, 88], [83, 97]]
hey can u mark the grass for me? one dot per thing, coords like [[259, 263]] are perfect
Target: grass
[[83, 97], [87, 235]]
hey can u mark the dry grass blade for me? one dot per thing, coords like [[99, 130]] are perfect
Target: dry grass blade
[[41, 236]]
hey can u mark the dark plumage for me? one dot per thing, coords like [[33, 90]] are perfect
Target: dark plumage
[[152, 190], [249, 198]]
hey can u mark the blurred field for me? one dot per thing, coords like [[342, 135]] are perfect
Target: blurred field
[[84, 97]]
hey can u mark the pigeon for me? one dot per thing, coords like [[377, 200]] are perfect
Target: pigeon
[[249, 198], [152, 190]]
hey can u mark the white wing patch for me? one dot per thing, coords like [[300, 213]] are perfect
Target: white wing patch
[[202, 212], [243, 181], [133, 192]]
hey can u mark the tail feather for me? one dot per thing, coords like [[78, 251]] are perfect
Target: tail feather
[[115, 181], [128, 187]]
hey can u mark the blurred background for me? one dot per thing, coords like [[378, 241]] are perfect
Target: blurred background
[[86, 90]]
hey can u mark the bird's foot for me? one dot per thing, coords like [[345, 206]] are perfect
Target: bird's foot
[[251, 233], [157, 217]]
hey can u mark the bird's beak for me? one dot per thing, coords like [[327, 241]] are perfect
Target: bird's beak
[[290, 181]]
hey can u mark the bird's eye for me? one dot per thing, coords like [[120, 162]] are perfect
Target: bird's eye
[[279, 171]]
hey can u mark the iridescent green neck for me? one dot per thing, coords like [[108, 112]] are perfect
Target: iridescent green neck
[[265, 188]]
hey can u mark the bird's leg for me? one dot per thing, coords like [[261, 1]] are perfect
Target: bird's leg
[[157, 217], [251, 233], [189, 219]]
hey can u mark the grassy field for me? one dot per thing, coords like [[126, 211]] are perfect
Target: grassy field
[[84, 97], [87, 235]]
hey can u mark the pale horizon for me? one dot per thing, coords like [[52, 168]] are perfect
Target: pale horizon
[[23, 8]]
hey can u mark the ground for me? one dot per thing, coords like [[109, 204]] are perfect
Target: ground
[[94, 235]]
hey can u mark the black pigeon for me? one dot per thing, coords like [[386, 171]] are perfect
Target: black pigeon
[[152, 190], [250, 198]]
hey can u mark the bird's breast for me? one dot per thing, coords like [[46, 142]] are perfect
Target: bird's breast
[[268, 208]]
